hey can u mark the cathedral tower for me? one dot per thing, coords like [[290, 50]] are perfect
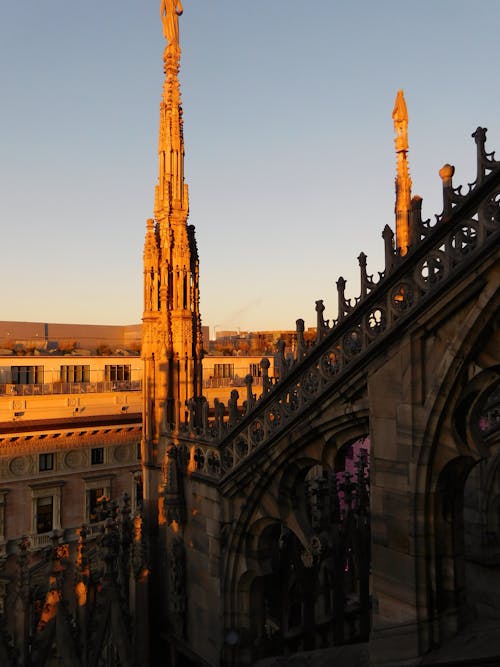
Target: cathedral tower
[[172, 342]]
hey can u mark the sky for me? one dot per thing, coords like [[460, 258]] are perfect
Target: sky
[[288, 134]]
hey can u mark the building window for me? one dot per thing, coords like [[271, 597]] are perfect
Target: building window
[[97, 495], [45, 462], [138, 451], [27, 374], [97, 456], [117, 372], [96, 501], [255, 370], [44, 514], [75, 373], [46, 507], [223, 370]]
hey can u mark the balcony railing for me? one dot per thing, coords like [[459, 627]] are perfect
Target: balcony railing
[[43, 540], [236, 381], [51, 388], [40, 540]]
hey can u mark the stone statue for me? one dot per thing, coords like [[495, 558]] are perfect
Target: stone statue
[[177, 587], [170, 10]]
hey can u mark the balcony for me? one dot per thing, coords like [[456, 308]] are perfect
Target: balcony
[[40, 540], [54, 388], [43, 540], [236, 381]]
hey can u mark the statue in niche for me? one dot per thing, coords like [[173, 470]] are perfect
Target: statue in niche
[[170, 479], [170, 10], [172, 488], [177, 586], [232, 404]]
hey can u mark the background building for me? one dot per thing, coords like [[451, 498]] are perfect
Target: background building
[[70, 429], [51, 337]]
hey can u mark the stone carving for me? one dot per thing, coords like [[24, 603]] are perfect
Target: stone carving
[[67, 603], [172, 487], [381, 306], [170, 10], [122, 453], [177, 586], [266, 380], [232, 404], [198, 414], [170, 477], [75, 458], [139, 550], [20, 465]]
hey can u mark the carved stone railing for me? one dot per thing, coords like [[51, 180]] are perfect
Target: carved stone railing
[[118, 512], [468, 227], [44, 540], [40, 540], [52, 388]]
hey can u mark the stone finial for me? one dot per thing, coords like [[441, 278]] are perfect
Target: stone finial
[[192, 413], [232, 404], [266, 380], [446, 173], [321, 323], [388, 236], [341, 283], [479, 137], [219, 411], [250, 401], [363, 274], [301, 348], [280, 363]]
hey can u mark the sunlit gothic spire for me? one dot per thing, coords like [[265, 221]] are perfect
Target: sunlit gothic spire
[[172, 343], [403, 180]]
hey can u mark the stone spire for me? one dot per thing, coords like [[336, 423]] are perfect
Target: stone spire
[[403, 180], [172, 342]]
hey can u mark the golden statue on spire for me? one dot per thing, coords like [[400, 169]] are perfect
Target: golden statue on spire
[[170, 10]]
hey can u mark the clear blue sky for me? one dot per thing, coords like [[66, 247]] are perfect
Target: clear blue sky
[[289, 144]]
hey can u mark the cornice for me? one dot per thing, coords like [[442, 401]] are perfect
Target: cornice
[[43, 441], [36, 426]]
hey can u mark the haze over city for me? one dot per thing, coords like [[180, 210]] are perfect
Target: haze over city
[[289, 145]]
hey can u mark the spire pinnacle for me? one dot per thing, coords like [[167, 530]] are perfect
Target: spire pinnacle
[[403, 180], [400, 111], [171, 319], [171, 192]]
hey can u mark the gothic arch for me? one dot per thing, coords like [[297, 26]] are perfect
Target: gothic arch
[[448, 452], [274, 511]]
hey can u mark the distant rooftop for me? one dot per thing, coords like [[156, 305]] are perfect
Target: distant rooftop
[[47, 337]]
